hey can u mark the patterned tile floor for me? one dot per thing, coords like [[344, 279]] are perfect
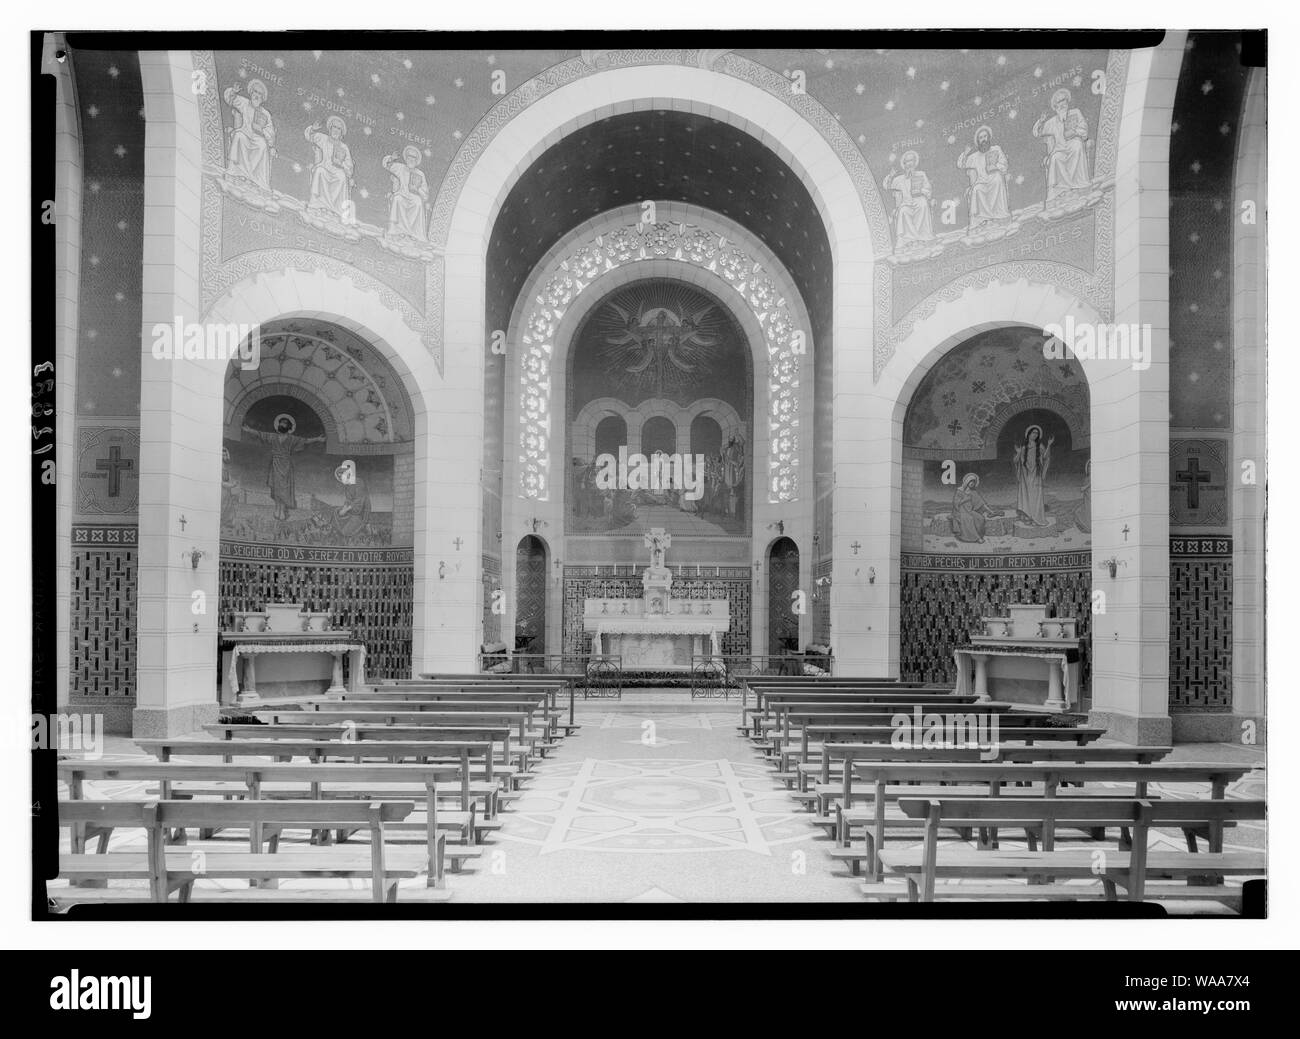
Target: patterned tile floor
[[657, 798]]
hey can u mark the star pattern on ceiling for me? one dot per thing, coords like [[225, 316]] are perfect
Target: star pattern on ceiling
[[1202, 160], [658, 155]]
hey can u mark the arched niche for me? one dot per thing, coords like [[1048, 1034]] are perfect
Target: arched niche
[[317, 487], [997, 502]]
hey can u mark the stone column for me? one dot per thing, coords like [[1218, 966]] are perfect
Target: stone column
[[180, 426], [1130, 435], [67, 290], [1249, 410]]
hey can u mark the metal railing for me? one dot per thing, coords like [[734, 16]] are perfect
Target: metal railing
[[599, 676], [716, 676]]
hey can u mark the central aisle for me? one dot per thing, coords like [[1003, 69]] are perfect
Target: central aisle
[[656, 798]]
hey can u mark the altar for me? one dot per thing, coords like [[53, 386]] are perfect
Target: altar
[[656, 632], [283, 650], [1024, 657]]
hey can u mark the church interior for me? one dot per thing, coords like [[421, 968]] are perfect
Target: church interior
[[587, 462]]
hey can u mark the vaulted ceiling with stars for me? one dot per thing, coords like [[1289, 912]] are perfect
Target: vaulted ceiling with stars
[[887, 100], [666, 156]]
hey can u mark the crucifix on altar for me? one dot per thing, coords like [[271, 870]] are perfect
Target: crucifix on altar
[[657, 580], [657, 632]]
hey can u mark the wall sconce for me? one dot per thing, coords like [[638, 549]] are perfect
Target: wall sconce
[[1112, 564], [536, 524], [498, 537], [871, 575], [778, 526], [442, 570], [194, 555], [817, 539]]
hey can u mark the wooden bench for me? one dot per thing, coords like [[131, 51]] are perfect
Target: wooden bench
[[825, 691], [922, 868], [476, 757], [363, 735], [889, 782], [424, 784], [178, 869], [791, 719], [363, 716], [552, 721], [770, 718], [824, 734], [825, 769]]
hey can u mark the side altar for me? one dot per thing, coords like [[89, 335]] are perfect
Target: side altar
[[1026, 657], [656, 632], [284, 650]]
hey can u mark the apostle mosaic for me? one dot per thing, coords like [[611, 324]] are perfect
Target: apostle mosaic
[[913, 200]]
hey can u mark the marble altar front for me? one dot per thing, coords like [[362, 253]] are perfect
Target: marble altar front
[[656, 632], [1024, 657], [284, 650]]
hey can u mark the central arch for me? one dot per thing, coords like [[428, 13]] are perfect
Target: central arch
[[805, 137], [551, 386]]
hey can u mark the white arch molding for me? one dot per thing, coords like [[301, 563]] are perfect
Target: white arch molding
[[260, 299], [699, 245], [867, 639], [516, 508], [837, 178]]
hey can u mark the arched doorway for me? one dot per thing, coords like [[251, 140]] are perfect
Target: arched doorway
[[782, 583], [530, 595]]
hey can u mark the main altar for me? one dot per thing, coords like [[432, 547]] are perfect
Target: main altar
[[656, 632]]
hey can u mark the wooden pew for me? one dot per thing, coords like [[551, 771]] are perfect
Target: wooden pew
[[370, 782], [765, 695], [923, 867], [552, 685], [827, 790], [791, 718], [463, 751], [758, 683], [1081, 734], [170, 869], [363, 715], [761, 718], [538, 713], [361, 735], [887, 782]]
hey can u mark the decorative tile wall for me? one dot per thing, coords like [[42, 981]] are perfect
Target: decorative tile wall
[[103, 620], [1200, 624], [941, 608], [374, 600]]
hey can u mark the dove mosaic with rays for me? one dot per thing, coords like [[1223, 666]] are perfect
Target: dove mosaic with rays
[[659, 351], [661, 369]]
